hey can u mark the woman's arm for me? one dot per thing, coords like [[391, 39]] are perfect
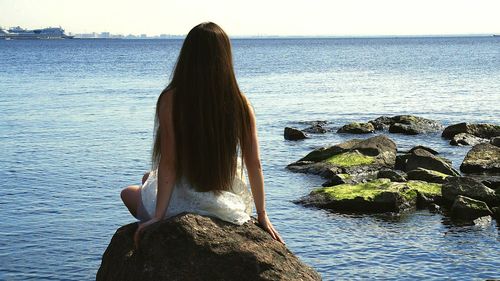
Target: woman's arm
[[166, 169], [256, 177]]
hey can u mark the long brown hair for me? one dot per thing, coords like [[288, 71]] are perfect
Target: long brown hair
[[210, 114]]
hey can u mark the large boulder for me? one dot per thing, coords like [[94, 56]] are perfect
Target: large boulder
[[483, 157], [193, 247], [469, 187], [466, 208], [466, 139], [420, 158], [351, 157], [357, 128], [406, 124], [293, 134], [376, 196], [484, 131]]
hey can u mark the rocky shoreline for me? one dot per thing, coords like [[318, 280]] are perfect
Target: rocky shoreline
[[371, 176]]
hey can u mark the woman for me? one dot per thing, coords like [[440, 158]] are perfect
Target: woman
[[203, 123]]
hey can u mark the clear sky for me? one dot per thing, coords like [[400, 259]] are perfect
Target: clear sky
[[259, 17]]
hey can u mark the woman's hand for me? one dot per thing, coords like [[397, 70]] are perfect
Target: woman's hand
[[140, 229], [268, 226]]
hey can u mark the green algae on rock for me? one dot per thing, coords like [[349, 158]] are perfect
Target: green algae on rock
[[376, 196], [351, 157], [348, 159]]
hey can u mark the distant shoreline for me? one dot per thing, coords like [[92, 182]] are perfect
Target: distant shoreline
[[280, 37], [314, 37]]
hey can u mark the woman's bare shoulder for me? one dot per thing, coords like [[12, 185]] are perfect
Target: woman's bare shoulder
[[165, 102], [247, 101]]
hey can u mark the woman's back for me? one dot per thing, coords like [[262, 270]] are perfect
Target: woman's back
[[202, 119]]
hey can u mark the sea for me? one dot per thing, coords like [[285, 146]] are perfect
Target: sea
[[76, 127]]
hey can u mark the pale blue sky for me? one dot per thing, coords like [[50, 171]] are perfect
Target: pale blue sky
[[259, 17]]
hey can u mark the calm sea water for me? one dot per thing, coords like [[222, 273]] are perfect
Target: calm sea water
[[76, 127]]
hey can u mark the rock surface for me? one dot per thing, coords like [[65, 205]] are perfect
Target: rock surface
[[469, 209], [376, 196], [483, 157], [485, 131], [466, 139], [469, 187], [392, 175], [428, 149], [351, 157], [496, 213], [406, 124], [495, 141], [316, 129], [192, 247], [426, 175], [357, 128], [294, 134], [420, 158]]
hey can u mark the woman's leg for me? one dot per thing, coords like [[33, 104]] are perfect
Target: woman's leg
[[130, 197]]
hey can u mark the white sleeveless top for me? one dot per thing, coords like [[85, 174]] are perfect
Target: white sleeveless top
[[233, 206]]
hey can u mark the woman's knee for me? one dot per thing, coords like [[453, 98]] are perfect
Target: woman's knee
[[130, 194]]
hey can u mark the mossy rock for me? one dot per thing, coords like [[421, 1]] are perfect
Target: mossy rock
[[376, 196], [349, 159]]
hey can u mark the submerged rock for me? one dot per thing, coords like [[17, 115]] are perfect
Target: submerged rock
[[193, 247], [466, 208], [376, 196], [466, 139], [427, 175], [357, 128], [483, 157], [469, 187], [485, 131], [294, 134]]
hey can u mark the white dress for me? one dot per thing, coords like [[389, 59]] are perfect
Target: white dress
[[233, 206]]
